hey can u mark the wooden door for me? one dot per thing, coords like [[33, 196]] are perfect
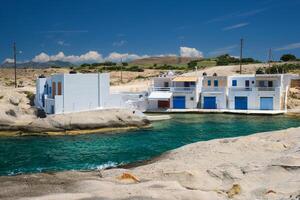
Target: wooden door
[[53, 89], [163, 104], [59, 88]]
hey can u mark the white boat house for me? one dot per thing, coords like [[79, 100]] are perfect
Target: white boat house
[[76, 92], [174, 92]]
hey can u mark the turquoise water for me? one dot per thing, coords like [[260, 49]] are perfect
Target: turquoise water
[[43, 153]]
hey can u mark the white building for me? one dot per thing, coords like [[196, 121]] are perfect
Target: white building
[[214, 92], [66, 93], [174, 92], [239, 92], [256, 92]]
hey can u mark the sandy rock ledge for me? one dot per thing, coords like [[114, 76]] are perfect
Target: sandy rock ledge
[[260, 166]]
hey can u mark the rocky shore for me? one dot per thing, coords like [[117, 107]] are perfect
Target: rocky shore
[[76, 123], [260, 166], [18, 117]]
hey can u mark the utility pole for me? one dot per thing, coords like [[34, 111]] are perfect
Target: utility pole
[[241, 54], [15, 63], [270, 57], [121, 70]]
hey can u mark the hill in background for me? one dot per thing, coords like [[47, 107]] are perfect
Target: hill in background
[[163, 60], [37, 65]]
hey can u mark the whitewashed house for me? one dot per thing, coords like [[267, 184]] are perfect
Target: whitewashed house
[[239, 92], [67, 93], [174, 92], [258, 92], [242, 92], [214, 92]]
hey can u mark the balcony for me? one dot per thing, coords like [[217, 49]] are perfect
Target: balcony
[[214, 89], [266, 88], [238, 89], [174, 89]]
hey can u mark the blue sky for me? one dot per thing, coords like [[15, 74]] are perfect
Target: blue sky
[[84, 30]]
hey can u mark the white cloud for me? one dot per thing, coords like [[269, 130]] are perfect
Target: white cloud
[[289, 47], [119, 43], [62, 43], [91, 56], [237, 14], [94, 56], [190, 52], [117, 57], [8, 60], [235, 26], [42, 57]]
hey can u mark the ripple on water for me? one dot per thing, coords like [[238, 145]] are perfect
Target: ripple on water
[[97, 151]]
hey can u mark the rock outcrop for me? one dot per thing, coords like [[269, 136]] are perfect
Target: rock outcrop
[[260, 166], [18, 117]]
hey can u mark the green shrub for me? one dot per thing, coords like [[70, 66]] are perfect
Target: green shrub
[[134, 69], [281, 69], [30, 96], [288, 57]]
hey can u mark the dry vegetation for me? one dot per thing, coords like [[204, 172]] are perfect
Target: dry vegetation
[[27, 77]]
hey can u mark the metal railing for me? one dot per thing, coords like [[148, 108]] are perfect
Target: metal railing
[[174, 89], [213, 89], [240, 88], [266, 88]]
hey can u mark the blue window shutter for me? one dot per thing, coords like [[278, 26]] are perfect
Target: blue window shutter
[[209, 82], [216, 83], [234, 83]]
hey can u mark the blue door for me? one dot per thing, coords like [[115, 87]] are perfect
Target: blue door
[[179, 102], [266, 103], [210, 103], [241, 103]]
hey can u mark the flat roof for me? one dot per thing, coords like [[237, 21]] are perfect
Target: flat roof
[[159, 95], [185, 79]]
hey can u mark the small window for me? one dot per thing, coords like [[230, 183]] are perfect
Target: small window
[[216, 83], [166, 84], [270, 83], [192, 98], [209, 82], [247, 83], [252, 82], [234, 83], [193, 84]]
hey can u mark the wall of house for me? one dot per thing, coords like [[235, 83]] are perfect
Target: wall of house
[[115, 101], [190, 99], [48, 105], [40, 86], [276, 98], [81, 92], [160, 81], [251, 96], [222, 81], [152, 105], [104, 88], [241, 80], [221, 99], [58, 104], [240, 91]]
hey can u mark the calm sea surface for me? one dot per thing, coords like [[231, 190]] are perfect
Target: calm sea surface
[[91, 151]]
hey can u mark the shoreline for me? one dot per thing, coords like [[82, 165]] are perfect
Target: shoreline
[[104, 130], [248, 167], [105, 120]]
